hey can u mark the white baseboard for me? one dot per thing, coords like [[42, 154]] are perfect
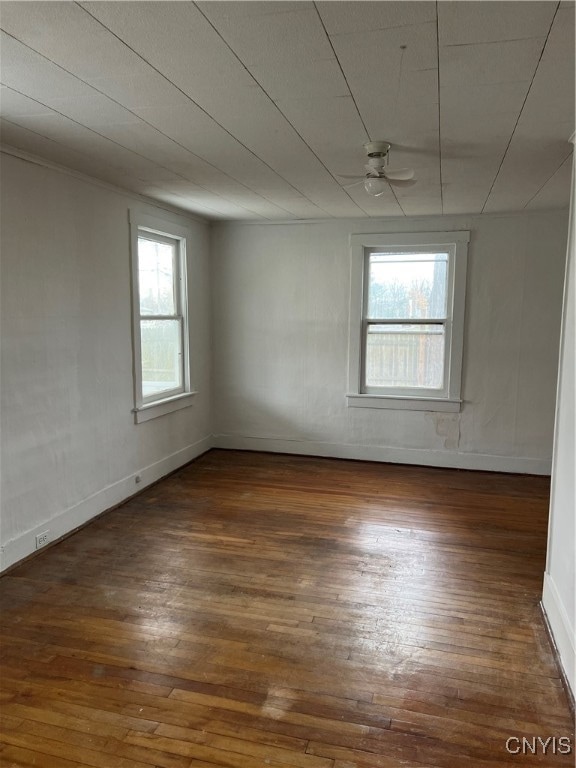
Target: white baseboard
[[73, 517], [561, 630], [420, 456]]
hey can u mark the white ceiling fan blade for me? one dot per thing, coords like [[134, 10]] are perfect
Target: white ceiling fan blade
[[398, 174], [401, 182], [346, 176]]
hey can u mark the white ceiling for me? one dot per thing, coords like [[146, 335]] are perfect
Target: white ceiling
[[250, 110]]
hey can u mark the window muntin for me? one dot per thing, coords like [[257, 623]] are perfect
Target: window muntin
[[407, 320]]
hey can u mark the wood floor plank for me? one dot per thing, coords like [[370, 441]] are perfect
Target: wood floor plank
[[17, 757], [265, 610], [51, 717]]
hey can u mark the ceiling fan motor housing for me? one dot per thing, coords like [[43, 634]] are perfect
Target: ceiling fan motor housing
[[376, 164], [377, 152], [377, 148]]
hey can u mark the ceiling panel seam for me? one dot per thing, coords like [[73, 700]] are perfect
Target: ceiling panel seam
[[43, 162], [380, 29], [85, 127], [340, 67], [521, 108], [370, 138], [296, 131], [549, 178], [492, 42], [127, 149], [52, 141], [154, 128], [145, 122], [395, 105], [201, 108], [83, 155], [439, 111]]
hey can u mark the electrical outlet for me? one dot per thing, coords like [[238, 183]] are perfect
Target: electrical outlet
[[42, 539]]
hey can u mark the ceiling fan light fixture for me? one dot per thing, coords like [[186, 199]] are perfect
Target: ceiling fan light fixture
[[375, 186]]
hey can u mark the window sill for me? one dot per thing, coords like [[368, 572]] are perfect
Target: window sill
[[404, 403], [162, 407]]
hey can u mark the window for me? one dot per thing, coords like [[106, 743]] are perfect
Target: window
[[406, 320], [160, 321]]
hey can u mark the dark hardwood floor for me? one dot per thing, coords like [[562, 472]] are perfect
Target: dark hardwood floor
[[267, 610]]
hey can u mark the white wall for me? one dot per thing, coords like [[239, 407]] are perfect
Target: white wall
[[560, 579], [70, 448], [280, 314]]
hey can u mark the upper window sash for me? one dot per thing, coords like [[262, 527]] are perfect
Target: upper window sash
[[411, 250], [178, 261]]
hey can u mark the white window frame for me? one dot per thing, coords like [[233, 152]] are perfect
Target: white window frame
[[446, 399], [160, 230]]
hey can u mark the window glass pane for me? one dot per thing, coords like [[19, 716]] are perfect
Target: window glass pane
[[406, 285], [405, 356], [161, 356], [156, 277]]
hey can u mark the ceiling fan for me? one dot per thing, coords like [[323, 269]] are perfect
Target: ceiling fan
[[378, 173]]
